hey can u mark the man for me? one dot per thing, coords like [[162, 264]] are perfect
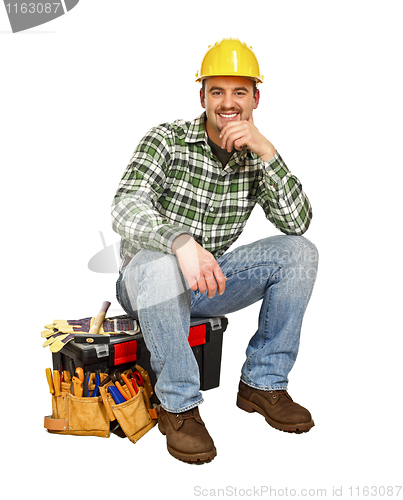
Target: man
[[183, 200]]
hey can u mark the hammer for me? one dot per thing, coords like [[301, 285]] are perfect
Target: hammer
[[99, 319]]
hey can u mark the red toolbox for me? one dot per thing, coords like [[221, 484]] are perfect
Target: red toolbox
[[205, 338]]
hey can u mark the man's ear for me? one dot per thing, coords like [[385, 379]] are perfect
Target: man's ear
[[256, 99], [202, 100]]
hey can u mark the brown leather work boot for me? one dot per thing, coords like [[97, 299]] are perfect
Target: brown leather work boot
[[187, 437], [277, 407]]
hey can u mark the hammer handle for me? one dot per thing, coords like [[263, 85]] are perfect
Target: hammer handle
[[99, 319]]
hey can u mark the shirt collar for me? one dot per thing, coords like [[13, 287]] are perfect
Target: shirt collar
[[196, 131]]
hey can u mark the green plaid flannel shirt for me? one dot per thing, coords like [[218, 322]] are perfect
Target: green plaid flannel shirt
[[175, 185]]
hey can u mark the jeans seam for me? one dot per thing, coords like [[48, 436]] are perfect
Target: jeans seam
[[262, 334], [195, 297], [261, 388], [186, 408], [145, 324], [261, 264]]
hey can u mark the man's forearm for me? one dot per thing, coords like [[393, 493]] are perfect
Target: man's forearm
[[135, 220], [283, 200]]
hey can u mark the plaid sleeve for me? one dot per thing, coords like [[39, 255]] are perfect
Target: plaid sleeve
[[134, 216], [282, 198]]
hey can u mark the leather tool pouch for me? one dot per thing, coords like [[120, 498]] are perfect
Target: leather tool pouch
[[132, 415], [92, 416], [136, 416], [77, 415]]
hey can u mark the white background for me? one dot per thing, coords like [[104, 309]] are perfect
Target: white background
[[77, 94]]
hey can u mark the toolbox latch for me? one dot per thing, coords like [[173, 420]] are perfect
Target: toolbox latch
[[125, 352], [215, 324], [197, 335], [102, 350]]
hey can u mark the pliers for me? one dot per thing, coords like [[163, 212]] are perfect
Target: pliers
[[88, 378], [77, 381], [136, 377], [133, 381]]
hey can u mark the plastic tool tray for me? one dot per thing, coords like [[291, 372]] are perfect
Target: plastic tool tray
[[205, 338]]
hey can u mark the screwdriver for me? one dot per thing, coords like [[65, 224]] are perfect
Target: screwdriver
[[56, 382], [50, 380]]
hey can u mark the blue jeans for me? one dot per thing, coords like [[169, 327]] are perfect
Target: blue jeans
[[280, 271]]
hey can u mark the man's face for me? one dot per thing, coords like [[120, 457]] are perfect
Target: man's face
[[227, 98]]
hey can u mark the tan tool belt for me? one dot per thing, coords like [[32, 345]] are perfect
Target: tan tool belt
[[91, 416]]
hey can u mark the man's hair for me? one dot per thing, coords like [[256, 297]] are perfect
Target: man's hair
[[204, 87]]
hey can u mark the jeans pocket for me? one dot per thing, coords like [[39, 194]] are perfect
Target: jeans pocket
[[118, 286]]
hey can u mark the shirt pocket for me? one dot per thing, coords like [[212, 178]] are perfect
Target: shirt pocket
[[234, 211]]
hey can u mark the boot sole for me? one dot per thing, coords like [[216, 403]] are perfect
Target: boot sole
[[191, 458], [249, 407]]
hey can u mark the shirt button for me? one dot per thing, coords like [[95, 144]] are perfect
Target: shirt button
[[206, 239], [271, 172], [211, 209]]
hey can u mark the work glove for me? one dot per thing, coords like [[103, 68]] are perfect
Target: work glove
[[109, 326], [60, 332], [57, 340]]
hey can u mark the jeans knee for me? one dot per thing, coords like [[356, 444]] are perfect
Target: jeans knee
[[149, 265], [310, 251], [306, 256], [153, 278], [161, 266]]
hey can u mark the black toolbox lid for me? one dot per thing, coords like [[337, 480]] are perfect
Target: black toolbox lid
[[213, 325]]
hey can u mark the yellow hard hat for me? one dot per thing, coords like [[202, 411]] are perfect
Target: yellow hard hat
[[230, 57]]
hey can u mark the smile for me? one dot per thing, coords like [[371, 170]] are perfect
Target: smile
[[232, 115]]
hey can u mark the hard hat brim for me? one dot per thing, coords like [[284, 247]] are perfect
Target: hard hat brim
[[204, 77]]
